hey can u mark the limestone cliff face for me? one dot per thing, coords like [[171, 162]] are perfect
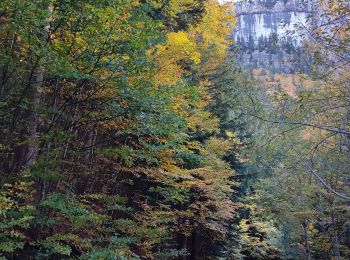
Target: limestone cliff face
[[269, 32]]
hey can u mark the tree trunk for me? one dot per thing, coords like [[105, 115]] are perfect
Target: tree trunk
[[31, 150], [336, 238], [184, 247], [195, 252], [89, 144], [306, 240]]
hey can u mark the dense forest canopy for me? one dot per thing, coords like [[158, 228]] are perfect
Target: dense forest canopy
[[131, 130]]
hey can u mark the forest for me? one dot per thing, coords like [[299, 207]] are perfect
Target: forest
[[130, 129]]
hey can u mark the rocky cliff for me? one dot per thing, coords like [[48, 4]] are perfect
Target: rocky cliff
[[268, 33]]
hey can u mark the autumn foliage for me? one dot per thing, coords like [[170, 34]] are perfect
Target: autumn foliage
[[108, 149]]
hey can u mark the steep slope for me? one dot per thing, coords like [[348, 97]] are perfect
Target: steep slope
[[269, 34]]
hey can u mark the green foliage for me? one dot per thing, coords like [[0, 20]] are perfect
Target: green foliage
[[16, 215], [73, 211]]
